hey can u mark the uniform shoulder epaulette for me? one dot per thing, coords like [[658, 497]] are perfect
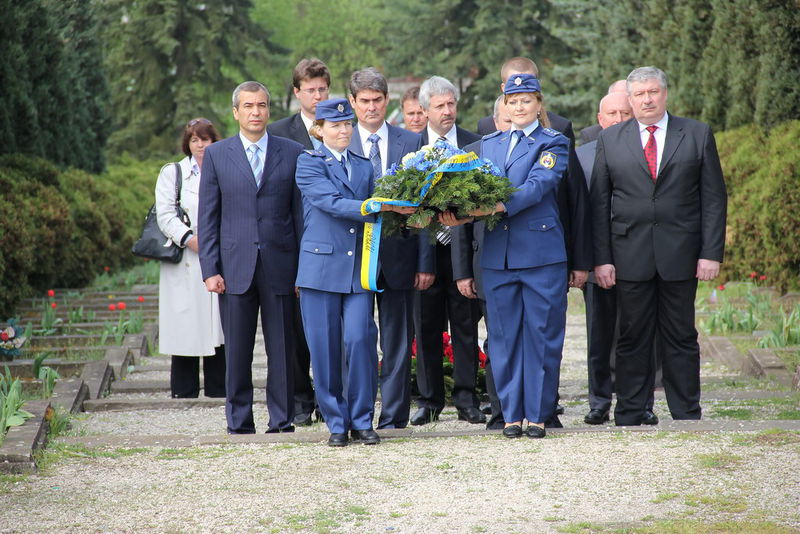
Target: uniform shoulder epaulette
[[493, 134], [551, 132], [314, 153]]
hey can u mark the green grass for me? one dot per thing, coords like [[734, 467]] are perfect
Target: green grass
[[683, 526], [771, 438], [664, 497], [718, 460]]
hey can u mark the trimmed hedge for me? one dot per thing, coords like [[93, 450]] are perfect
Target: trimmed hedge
[[61, 228], [762, 172]]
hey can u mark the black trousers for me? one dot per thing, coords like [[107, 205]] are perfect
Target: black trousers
[[660, 310], [304, 402], [184, 375], [431, 307]]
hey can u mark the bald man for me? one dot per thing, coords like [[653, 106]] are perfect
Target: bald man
[[590, 133]]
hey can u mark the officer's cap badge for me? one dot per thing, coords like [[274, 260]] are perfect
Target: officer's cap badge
[[340, 108], [518, 81]]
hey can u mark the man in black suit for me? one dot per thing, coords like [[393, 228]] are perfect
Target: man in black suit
[[248, 231], [311, 80], [442, 301], [590, 133], [659, 208], [601, 304], [385, 145]]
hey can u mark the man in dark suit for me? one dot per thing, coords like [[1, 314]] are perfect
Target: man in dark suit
[[659, 209], [590, 133], [385, 145], [414, 119], [442, 302], [248, 229], [311, 80], [601, 304]]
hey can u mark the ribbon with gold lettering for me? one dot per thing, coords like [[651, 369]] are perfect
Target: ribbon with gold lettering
[[372, 231]]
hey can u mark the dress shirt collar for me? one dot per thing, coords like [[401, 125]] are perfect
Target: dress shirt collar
[[528, 130], [451, 136], [363, 134], [262, 144], [194, 166], [308, 123], [661, 124], [336, 154]]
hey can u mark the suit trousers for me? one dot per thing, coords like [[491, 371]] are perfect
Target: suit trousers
[[601, 331], [527, 317], [239, 315], [343, 340], [431, 306], [184, 375], [396, 324], [661, 310], [303, 387]]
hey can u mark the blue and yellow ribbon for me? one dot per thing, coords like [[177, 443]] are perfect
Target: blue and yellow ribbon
[[372, 231]]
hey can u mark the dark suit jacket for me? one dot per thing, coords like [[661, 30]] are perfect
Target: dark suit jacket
[[585, 155], [237, 221], [467, 244], [662, 227], [399, 254], [573, 198], [590, 133], [292, 128], [427, 250]]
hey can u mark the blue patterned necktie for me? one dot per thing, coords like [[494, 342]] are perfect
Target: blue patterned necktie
[[375, 155], [255, 163]]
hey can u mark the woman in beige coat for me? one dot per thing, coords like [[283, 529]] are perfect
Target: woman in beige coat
[[188, 315]]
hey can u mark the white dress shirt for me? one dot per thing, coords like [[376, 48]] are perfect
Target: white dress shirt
[[451, 136], [660, 134], [262, 144], [383, 144]]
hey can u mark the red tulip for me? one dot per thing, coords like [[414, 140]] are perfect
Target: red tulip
[[762, 277], [721, 287], [112, 307], [106, 268], [753, 274], [140, 299], [3, 336], [121, 305], [53, 305], [51, 293]]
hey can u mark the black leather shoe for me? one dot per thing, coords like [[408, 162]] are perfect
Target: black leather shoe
[[534, 431], [649, 418], [496, 425], [553, 422], [424, 415], [485, 408], [289, 428], [337, 440], [471, 415], [302, 419], [367, 437], [513, 431], [559, 409], [596, 417]]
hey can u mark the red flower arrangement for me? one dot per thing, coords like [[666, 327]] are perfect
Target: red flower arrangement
[[447, 351]]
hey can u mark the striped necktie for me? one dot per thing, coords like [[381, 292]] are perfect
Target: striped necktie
[[375, 155], [255, 163]]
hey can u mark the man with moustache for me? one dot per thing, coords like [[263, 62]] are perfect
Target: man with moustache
[[442, 302], [659, 206]]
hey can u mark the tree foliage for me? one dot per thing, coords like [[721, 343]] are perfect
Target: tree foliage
[[51, 104], [171, 60]]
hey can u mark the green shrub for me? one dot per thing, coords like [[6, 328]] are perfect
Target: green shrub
[[763, 177], [62, 228]]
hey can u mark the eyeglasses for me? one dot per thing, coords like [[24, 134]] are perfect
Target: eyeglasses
[[319, 90], [199, 121]]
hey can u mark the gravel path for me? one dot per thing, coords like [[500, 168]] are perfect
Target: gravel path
[[475, 484]]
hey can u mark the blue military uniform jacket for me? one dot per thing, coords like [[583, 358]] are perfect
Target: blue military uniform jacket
[[531, 234], [333, 227]]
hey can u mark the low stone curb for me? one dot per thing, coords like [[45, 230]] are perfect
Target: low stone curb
[[180, 440], [757, 362], [119, 358], [97, 376], [21, 442]]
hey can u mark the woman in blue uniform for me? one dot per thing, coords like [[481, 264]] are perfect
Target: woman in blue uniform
[[337, 311], [524, 262]]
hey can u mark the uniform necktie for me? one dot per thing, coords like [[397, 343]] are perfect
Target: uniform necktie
[[344, 167], [651, 152], [255, 162], [375, 155], [518, 147]]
